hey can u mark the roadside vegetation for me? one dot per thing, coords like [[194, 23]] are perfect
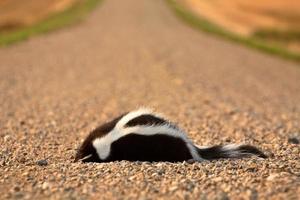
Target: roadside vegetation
[[264, 40], [72, 15]]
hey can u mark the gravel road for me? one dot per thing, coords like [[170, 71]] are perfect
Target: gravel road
[[55, 88]]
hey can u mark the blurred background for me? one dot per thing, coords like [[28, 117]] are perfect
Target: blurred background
[[275, 22], [15, 14]]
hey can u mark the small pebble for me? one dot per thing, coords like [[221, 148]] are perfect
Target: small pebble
[[45, 185], [272, 177], [293, 140], [42, 162]]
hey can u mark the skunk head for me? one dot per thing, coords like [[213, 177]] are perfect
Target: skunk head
[[87, 152]]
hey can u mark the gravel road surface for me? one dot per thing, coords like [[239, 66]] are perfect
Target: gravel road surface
[[57, 87]]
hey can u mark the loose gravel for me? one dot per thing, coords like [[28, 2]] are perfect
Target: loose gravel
[[57, 87]]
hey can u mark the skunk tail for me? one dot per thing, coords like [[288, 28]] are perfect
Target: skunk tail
[[229, 151]]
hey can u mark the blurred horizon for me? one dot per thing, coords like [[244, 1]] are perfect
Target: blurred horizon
[[272, 22]]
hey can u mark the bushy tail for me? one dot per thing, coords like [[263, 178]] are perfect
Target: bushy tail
[[229, 151]]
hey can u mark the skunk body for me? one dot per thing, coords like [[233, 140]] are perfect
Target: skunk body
[[143, 135]]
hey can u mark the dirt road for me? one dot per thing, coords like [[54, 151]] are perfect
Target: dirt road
[[55, 88]]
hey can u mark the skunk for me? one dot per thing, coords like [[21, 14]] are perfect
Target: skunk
[[143, 135]]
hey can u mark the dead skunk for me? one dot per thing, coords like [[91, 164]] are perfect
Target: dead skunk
[[143, 135]]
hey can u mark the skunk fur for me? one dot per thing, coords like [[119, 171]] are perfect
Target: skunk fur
[[143, 135]]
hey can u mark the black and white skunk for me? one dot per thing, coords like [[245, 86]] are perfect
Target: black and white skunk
[[143, 135]]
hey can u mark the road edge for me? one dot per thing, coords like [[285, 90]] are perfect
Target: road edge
[[202, 24], [57, 21]]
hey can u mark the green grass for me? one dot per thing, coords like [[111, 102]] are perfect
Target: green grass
[[285, 36], [254, 42], [70, 16]]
